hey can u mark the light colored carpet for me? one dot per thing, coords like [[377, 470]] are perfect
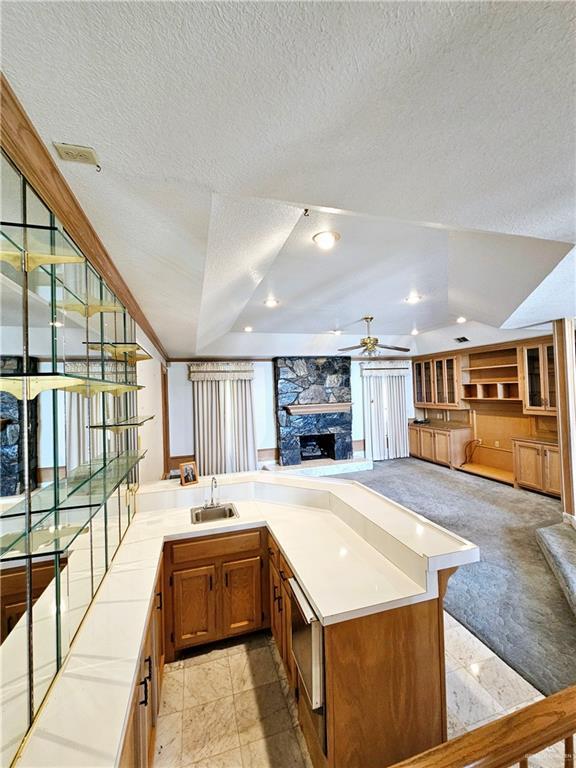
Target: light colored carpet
[[510, 599]]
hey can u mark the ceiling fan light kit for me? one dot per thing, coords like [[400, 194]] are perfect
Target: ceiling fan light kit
[[370, 344]]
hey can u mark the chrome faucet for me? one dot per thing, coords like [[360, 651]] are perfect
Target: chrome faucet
[[213, 486]]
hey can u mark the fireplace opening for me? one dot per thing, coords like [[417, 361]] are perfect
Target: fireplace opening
[[317, 447]]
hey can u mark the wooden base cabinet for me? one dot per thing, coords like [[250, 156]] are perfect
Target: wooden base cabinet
[[214, 588], [281, 608], [440, 445], [537, 466]]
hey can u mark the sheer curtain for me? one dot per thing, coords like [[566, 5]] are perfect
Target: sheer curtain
[[385, 413], [223, 417]]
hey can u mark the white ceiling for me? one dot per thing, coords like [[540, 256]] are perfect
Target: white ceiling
[[461, 114]]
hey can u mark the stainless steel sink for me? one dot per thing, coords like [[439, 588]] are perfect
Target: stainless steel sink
[[210, 513]]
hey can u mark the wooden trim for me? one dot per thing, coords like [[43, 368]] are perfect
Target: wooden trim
[[175, 461], [218, 359], [509, 739], [358, 445], [22, 143], [565, 370], [484, 348], [268, 454], [307, 408], [165, 420]]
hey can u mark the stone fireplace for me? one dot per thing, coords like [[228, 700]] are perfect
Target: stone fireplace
[[313, 408]]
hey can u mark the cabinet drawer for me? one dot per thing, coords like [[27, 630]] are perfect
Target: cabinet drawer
[[284, 569], [221, 546], [273, 551]]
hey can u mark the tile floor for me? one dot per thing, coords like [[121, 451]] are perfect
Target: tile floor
[[230, 706]]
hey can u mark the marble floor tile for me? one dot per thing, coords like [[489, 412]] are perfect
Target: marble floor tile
[[208, 730], [207, 682], [261, 712], [249, 670], [449, 621], [553, 757], [203, 656], [450, 663], [290, 699], [231, 759], [455, 727], [172, 693], [168, 744], [464, 647], [279, 751], [467, 700], [250, 643], [502, 682]]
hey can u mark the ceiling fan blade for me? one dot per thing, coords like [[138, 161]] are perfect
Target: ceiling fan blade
[[347, 349], [398, 349]]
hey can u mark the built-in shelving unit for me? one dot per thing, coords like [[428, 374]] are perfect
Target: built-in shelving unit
[[31, 385], [131, 353], [133, 422], [491, 375]]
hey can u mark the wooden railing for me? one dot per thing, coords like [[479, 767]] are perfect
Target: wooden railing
[[511, 740]]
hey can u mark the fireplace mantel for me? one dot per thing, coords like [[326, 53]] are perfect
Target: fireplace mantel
[[307, 408]]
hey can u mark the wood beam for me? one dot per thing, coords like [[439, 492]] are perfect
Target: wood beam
[[22, 143], [565, 369]]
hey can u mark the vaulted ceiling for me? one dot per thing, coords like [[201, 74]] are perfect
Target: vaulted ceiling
[[217, 123]]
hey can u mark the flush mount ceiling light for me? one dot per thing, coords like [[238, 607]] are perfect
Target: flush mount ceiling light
[[271, 302], [413, 298], [248, 329], [460, 320], [415, 331], [326, 240], [337, 332]]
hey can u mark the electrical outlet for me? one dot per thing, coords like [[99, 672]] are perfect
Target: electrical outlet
[[76, 153], [496, 443], [479, 441]]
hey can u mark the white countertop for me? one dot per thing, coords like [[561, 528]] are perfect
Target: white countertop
[[353, 551]]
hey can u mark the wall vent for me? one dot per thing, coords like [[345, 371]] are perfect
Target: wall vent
[[461, 339], [76, 153]]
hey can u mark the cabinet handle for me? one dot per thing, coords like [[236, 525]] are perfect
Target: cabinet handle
[[159, 596], [210, 583], [270, 551], [148, 660], [282, 575], [144, 701], [226, 579], [275, 590], [280, 603]]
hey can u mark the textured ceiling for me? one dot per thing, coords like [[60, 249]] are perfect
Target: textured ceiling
[[456, 113]]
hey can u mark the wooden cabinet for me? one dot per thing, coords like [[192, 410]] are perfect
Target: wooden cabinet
[[194, 601], [537, 466], [441, 445], [539, 379], [436, 382], [281, 609], [276, 616], [214, 588], [242, 596]]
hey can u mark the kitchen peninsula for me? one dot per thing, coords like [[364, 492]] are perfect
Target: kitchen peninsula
[[367, 573]]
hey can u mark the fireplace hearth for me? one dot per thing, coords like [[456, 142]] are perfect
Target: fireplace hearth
[[317, 447]]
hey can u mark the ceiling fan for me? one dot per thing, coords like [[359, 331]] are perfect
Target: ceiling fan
[[369, 344]]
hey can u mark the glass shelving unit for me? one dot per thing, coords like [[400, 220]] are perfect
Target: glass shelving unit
[[69, 444]]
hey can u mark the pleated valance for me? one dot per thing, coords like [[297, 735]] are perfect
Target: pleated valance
[[233, 370], [385, 368]]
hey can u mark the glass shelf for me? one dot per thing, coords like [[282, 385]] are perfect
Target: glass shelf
[[122, 351], [34, 247], [54, 529], [91, 308], [42, 382], [121, 426]]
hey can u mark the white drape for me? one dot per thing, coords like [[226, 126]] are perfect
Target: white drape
[[385, 413], [223, 425]]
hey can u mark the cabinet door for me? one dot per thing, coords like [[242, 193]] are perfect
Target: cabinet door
[[133, 755], [550, 377], [194, 601], [418, 384], [414, 441], [528, 465], [242, 596], [428, 382], [276, 616], [442, 447], [159, 627], [440, 380], [289, 664], [552, 476], [427, 444], [533, 381], [451, 381]]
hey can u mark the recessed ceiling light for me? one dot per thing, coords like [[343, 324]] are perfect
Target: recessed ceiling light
[[57, 324], [271, 302], [415, 331], [248, 329], [460, 319], [326, 240], [413, 298]]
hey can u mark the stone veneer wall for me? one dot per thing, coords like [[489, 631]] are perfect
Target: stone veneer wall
[[303, 380]]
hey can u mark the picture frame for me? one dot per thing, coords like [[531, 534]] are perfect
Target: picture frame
[[188, 473]]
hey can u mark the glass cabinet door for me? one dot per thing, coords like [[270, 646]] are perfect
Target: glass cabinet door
[[418, 391], [550, 377], [450, 364], [440, 381], [533, 373], [428, 382]]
